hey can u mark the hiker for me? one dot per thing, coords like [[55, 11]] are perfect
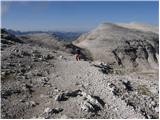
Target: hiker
[[78, 52]]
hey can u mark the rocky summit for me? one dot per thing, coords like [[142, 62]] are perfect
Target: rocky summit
[[131, 46], [116, 77]]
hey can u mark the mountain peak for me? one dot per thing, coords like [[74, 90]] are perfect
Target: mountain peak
[[141, 26]]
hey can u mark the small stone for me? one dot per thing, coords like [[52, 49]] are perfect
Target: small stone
[[64, 117], [52, 110], [154, 90], [77, 83], [44, 80], [40, 58], [49, 56], [91, 104], [153, 103], [83, 94], [94, 101], [116, 109], [127, 85], [27, 103], [72, 93], [61, 56], [60, 97], [112, 88], [32, 103], [21, 100], [57, 110], [3, 73], [56, 90], [157, 109], [86, 106], [48, 110]]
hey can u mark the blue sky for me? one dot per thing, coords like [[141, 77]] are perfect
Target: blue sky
[[75, 16]]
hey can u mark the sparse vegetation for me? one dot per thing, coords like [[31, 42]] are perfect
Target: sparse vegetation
[[143, 90]]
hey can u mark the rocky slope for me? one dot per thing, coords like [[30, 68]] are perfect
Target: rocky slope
[[53, 41], [8, 39], [41, 81], [122, 45]]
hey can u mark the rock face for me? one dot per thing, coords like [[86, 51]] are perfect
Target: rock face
[[126, 46], [8, 39]]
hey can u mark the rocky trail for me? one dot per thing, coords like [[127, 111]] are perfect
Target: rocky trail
[[42, 83]]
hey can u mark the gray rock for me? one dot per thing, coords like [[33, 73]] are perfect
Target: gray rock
[[50, 111], [94, 102], [44, 80], [61, 57], [153, 103], [127, 85], [64, 117], [157, 109], [91, 104], [72, 93], [25, 53], [60, 97], [47, 110], [31, 103], [27, 88], [86, 106], [22, 100]]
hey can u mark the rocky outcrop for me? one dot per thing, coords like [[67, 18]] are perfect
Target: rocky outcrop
[[8, 39], [125, 46], [137, 53]]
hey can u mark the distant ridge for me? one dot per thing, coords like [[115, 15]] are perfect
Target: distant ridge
[[141, 26]]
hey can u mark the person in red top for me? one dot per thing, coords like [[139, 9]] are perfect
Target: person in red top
[[78, 55]]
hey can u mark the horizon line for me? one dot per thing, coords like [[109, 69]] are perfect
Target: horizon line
[[82, 30]]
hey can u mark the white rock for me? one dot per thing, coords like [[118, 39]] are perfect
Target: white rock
[[154, 90], [86, 106], [93, 101], [48, 110], [111, 88], [3, 73], [83, 94], [57, 90], [153, 103], [32, 103], [22, 100], [61, 56], [64, 117], [157, 109], [59, 97]]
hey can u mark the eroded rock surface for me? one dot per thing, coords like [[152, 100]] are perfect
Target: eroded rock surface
[[38, 83]]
